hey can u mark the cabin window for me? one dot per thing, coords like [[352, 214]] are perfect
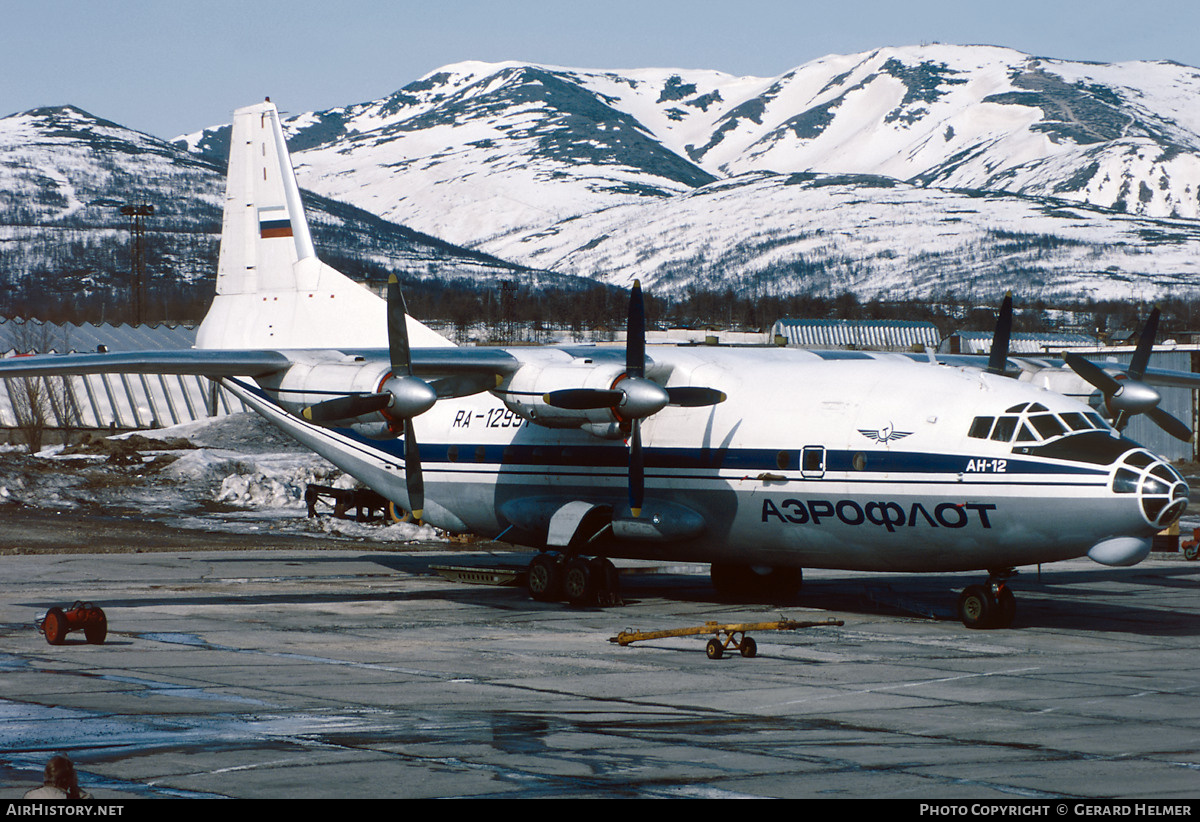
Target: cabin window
[[812, 461]]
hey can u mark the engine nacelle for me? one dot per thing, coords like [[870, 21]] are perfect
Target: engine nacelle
[[524, 392], [307, 384], [376, 430]]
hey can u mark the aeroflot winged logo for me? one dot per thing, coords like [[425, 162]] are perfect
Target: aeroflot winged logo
[[885, 434]]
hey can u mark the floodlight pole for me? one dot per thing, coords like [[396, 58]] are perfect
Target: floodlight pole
[[137, 253]]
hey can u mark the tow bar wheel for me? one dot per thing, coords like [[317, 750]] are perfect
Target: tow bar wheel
[[715, 649], [54, 626]]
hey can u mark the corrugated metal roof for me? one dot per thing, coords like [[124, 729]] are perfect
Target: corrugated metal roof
[[111, 400], [878, 335], [980, 342], [64, 337]]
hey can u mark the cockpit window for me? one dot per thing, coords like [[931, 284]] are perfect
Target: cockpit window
[[1005, 428], [1034, 424], [981, 427], [1076, 421], [1048, 425], [1024, 434]]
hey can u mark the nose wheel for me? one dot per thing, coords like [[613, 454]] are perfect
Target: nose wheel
[[991, 605]]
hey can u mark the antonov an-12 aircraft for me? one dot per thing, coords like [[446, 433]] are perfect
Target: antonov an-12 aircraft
[[759, 461]]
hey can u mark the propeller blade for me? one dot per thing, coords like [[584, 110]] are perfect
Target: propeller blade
[[998, 359], [582, 399], [1093, 374], [397, 320], [1170, 424], [689, 396], [412, 471], [637, 478], [1145, 346], [635, 333], [345, 408]]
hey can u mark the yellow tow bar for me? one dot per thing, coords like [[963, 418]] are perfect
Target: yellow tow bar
[[725, 637]]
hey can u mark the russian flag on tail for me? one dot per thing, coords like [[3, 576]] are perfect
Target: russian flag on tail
[[273, 221]]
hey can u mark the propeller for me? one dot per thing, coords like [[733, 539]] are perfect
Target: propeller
[[1129, 397], [402, 397], [347, 407], [633, 397]]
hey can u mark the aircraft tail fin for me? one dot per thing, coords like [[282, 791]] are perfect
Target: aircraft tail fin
[[272, 291]]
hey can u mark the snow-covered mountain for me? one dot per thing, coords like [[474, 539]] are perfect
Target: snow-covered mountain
[[939, 168], [64, 244]]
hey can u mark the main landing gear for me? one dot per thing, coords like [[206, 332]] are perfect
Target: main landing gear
[[581, 581], [991, 605]]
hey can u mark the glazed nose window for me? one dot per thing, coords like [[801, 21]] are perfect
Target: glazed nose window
[[1162, 490]]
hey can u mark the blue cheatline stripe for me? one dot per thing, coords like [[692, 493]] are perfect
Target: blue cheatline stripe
[[748, 460]]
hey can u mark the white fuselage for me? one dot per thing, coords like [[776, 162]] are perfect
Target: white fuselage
[[841, 460]]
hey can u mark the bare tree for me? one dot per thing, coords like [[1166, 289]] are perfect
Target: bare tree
[[40, 403]]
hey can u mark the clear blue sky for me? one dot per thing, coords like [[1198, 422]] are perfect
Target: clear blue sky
[[167, 67]]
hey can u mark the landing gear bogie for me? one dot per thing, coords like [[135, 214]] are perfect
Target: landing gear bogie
[[578, 583], [545, 577], [581, 581]]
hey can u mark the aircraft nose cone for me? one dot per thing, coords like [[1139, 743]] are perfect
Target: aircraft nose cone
[[1162, 492]]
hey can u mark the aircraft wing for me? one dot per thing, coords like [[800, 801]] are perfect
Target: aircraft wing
[[1158, 376], [207, 363], [246, 363]]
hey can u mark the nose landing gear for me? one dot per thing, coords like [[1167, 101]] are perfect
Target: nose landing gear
[[991, 605]]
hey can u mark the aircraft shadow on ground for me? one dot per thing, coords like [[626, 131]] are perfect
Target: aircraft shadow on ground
[[1086, 600]]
